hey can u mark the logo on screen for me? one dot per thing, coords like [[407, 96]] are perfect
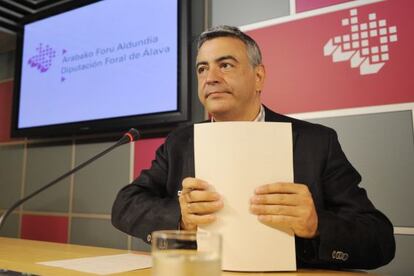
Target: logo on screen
[[43, 59], [365, 45]]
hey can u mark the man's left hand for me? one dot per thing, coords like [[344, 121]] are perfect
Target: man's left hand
[[286, 205]]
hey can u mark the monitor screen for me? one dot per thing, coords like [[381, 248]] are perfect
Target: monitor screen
[[102, 66]]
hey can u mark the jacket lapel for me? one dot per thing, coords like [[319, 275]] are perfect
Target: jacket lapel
[[271, 116]]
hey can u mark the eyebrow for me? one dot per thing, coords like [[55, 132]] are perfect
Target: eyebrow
[[218, 60]]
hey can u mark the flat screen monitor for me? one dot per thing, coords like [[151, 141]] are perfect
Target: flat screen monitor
[[102, 66]]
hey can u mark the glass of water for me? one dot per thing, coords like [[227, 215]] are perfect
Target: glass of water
[[186, 253]]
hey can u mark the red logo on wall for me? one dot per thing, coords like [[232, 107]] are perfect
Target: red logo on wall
[[368, 56]]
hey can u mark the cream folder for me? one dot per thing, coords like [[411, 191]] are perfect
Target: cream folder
[[235, 158]]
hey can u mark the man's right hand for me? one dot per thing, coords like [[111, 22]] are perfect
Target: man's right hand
[[198, 203]]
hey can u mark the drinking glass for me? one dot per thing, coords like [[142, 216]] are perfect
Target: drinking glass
[[186, 253]]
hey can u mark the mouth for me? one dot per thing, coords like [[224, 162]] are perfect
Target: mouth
[[215, 93]]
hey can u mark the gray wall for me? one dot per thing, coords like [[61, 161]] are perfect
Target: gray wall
[[6, 65], [243, 12]]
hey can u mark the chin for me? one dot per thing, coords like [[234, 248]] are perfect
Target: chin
[[217, 108]]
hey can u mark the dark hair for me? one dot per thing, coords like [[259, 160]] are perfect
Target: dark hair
[[253, 51]]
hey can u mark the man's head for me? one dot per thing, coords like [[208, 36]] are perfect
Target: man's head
[[230, 74], [253, 50]]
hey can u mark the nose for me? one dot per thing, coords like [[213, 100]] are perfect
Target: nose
[[213, 75]]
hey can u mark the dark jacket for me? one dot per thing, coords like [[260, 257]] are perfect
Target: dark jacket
[[352, 233]]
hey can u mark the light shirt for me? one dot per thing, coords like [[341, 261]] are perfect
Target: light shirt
[[259, 118]]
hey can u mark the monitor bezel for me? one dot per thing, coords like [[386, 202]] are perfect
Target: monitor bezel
[[155, 124]]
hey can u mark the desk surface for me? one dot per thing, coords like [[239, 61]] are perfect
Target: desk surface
[[22, 255]]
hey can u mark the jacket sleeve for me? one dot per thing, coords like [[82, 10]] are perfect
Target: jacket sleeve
[[146, 205], [352, 232]]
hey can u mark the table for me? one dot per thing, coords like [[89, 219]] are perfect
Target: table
[[22, 255]]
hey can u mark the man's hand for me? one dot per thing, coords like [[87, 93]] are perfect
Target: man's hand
[[197, 203], [288, 205]]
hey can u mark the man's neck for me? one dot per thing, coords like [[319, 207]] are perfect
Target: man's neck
[[246, 116]]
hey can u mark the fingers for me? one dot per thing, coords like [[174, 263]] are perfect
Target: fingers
[[282, 187], [277, 199], [194, 214], [280, 221], [286, 205], [198, 203], [195, 190], [191, 183], [200, 220], [199, 207], [200, 196], [202, 208], [274, 210]]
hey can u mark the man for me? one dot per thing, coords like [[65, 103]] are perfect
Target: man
[[335, 224]]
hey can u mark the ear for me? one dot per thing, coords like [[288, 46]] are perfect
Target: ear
[[260, 73]]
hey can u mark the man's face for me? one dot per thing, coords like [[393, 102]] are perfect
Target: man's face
[[228, 85]]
